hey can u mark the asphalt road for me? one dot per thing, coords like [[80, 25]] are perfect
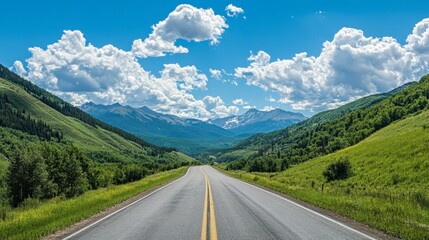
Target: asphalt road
[[206, 204]]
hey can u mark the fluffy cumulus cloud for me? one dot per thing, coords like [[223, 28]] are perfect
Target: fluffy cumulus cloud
[[418, 41], [80, 72], [19, 68], [187, 77], [217, 106], [350, 66], [239, 101], [233, 11], [185, 22]]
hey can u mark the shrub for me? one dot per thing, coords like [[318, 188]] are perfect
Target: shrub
[[339, 170]]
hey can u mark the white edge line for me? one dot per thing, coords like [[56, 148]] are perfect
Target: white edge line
[[312, 211], [123, 208]]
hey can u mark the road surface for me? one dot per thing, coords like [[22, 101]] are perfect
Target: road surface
[[206, 204]]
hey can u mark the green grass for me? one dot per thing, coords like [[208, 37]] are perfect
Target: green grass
[[390, 186], [43, 218], [83, 135]]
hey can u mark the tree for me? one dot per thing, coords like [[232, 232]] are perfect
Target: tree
[[284, 165], [74, 162], [339, 170], [27, 177]]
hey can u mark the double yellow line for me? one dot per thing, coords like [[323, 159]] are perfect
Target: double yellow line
[[208, 200]]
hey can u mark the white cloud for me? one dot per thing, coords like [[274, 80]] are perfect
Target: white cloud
[[350, 66], [219, 75], [80, 72], [233, 11], [271, 99], [418, 41], [185, 22], [187, 77], [268, 108], [248, 107], [218, 108], [216, 74], [239, 101], [18, 67]]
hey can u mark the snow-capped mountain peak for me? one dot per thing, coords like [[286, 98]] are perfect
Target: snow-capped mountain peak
[[259, 121]]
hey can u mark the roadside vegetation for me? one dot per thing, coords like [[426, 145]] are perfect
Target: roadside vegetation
[[382, 181], [35, 218]]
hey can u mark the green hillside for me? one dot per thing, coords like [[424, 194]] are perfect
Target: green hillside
[[389, 188], [86, 137], [304, 141]]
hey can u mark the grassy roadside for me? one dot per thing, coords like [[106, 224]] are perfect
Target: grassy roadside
[[55, 214], [400, 217], [394, 212]]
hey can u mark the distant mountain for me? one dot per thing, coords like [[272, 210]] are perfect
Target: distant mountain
[[189, 135], [255, 121]]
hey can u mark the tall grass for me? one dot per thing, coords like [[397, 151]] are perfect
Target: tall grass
[[43, 218]]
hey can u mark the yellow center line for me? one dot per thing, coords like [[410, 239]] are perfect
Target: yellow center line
[[204, 225], [213, 230], [208, 198]]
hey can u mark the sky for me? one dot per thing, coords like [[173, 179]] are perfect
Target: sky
[[208, 59]]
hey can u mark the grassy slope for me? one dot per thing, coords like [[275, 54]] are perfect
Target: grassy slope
[[82, 135], [47, 217], [390, 186]]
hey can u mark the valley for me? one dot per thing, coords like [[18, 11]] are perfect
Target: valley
[[191, 136]]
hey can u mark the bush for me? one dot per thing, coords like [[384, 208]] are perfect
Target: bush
[[339, 170]]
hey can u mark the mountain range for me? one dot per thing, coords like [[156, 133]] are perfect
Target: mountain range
[[255, 121], [190, 135]]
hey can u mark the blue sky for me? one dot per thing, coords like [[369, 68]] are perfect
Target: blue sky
[[357, 60]]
